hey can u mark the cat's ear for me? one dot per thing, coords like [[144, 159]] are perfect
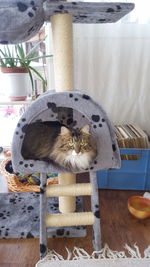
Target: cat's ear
[[64, 130], [85, 129]]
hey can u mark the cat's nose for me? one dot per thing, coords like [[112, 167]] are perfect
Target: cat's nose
[[77, 150], [75, 153]]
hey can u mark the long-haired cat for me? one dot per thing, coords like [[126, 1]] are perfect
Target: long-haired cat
[[71, 149]]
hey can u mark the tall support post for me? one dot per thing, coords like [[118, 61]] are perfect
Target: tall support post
[[43, 212], [63, 71], [95, 209]]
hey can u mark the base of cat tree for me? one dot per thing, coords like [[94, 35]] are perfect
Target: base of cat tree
[[24, 207]]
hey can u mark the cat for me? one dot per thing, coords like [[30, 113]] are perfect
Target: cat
[[72, 149]]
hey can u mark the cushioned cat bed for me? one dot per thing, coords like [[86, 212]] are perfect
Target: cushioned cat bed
[[73, 109]]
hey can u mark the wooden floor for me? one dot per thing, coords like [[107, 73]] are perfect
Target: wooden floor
[[117, 225]]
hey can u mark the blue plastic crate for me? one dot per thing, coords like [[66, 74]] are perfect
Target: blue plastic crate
[[133, 174]]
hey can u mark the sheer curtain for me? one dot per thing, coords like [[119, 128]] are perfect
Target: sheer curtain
[[112, 63]]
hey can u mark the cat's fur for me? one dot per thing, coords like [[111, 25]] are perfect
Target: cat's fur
[[70, 149]]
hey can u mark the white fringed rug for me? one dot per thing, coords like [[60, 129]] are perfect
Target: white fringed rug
[[104, 258], [98, 263]]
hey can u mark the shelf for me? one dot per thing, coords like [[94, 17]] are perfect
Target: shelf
[[88, 12], [10, 103]]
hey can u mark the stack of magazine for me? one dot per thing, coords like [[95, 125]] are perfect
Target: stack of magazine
[[131, 136]]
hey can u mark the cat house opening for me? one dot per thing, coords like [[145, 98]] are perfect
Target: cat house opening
[[74, 110], [52, 141]]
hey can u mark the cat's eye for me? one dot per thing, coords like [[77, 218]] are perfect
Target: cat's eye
[[70, 144], [83, 144]]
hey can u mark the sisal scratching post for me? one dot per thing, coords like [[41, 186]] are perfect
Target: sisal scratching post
[[63, 51], [71, 219], [63, 69], [69, 190]]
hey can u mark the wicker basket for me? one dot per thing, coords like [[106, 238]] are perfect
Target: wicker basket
[[15, 185]]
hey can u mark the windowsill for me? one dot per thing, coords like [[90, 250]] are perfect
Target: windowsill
[[6, 101], [10, 113]]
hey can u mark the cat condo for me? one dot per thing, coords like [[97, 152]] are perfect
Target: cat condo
[[72, 108]]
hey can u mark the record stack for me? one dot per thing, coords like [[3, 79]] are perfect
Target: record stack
[[131, 136]]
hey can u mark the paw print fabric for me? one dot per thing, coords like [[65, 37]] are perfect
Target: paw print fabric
[[73, 109], [20, 20]]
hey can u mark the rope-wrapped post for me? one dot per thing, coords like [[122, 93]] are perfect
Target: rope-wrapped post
[[63, 71], [69, 190], [71, 219]]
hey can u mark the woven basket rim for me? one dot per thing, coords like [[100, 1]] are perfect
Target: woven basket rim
[[15, 185]]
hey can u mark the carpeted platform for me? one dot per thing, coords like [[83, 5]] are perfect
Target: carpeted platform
[[19, 216]]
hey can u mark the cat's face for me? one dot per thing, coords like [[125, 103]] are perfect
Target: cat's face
[[75, 149], [75, 142]]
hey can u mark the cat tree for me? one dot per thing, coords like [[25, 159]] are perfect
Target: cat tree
[[78, 107]]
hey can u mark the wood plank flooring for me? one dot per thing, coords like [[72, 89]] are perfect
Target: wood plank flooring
[[117, 225]]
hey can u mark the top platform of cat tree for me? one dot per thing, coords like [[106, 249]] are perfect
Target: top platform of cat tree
[[20, 21], [88, 12]]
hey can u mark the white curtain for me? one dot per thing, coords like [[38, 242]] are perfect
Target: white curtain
[[112, 64]]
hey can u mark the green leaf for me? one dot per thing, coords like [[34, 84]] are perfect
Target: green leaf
[[1, 51], [39, 75], [20, 51], [10, 59], [8, 52], [35, 58], [31, 78], [2, 63], [34, 47]]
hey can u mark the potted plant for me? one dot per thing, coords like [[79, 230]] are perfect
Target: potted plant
[[18, 72]]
